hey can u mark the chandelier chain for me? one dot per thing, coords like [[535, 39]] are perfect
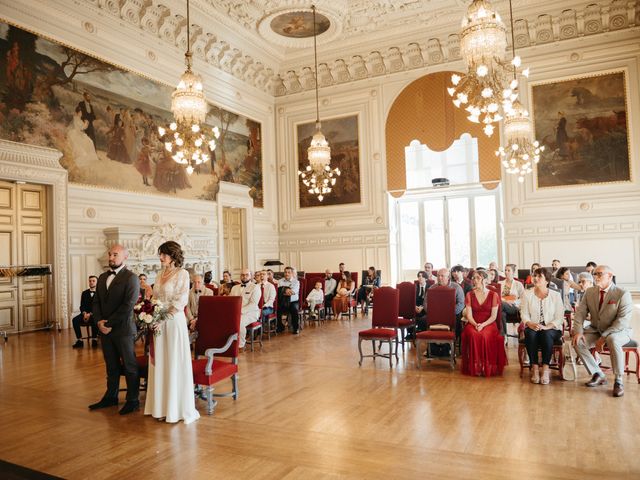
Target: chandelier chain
[[315, 59]]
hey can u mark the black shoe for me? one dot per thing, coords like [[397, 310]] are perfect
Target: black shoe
[[94, 343], [597, 380], [104, 403], [130, 407], [78, 344]]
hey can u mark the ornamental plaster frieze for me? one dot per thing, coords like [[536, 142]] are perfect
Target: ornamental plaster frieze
[[236, 37], [167, 23], [199, 253], [539, 29]]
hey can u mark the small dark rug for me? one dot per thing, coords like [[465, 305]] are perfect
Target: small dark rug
[[11, 471]]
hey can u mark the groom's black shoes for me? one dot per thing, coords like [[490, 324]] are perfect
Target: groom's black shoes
[[130, 407], [104, 403]]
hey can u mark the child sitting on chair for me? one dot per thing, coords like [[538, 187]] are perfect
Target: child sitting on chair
[[315, 297]]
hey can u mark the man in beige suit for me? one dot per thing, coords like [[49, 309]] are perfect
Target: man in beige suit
[[609, 309], [198, 290]]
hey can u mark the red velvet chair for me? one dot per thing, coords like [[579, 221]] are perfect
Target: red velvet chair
[[557, 355], [218, 334], [384, 325], [628, 349], [441, 321], [406, 308]]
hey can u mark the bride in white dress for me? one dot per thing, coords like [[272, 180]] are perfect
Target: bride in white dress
[[84, 152], [170, 384]]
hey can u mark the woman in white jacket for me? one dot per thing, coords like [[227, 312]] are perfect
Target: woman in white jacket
[[542, 314]]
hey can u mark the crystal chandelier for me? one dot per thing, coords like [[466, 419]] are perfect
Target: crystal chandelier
[[483, 46], [184, 138], [318, 176], [521, 150]]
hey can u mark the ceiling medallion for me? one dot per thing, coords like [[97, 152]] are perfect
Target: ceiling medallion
[[299, 24]]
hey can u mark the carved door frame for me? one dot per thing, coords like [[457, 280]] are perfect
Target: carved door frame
[[236, 196], [28, 163]]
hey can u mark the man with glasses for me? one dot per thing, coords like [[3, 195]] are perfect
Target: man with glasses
[[609, 309], [250, 293]]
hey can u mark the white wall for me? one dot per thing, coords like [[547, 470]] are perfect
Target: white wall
[[316, 238]]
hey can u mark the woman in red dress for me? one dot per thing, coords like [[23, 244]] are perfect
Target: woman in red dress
[[482, 345]]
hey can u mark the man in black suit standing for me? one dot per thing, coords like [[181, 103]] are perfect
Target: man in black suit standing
[[85, 317], [89, 115], [116, 295]]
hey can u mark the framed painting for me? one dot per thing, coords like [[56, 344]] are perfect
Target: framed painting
[[342, 135], [105, 119], [582, 122]]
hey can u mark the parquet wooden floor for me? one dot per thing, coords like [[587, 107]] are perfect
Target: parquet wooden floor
[[306, 410]]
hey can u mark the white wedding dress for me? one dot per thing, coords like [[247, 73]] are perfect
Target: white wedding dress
[[170, 383], [84, 153]]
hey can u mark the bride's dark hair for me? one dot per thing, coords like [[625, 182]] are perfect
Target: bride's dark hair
[[174, 250]]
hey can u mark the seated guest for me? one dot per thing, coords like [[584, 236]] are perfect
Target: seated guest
[[315, 297], [444, 281], [428, 270], [270, 277], [198, 290], [482, 345], [564, 274], [146, 292], [512, 291], [250, 293], [609, 308], [529, 281], [288, 299], [369, 284], [493, 276], [341, 269], [208, 280], [421, 292], [330, 285], [555, 265], [85, 317], [585, 280], [542, 315], [256, 277], [499, 275], [340, 302], [591, 266], [268, 294], [458, 276], [226, 284]]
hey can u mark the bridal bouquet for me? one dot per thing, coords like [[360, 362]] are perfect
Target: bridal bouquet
[[150, 314]]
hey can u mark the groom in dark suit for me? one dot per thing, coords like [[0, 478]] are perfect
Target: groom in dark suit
[[116, 295]]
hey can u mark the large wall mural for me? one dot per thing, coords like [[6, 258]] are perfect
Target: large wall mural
[[104, 119]]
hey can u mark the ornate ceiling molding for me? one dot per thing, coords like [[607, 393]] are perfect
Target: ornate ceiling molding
[[392, 28], [545, 28]]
